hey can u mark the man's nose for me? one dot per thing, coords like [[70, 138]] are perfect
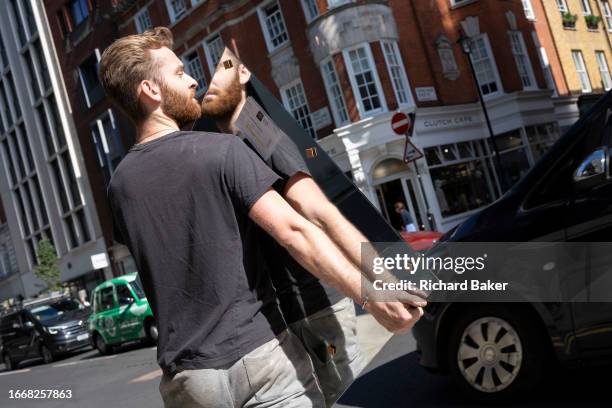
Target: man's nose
[[194, 83]]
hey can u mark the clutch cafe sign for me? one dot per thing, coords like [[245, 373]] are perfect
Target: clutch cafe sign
[[451, 121]]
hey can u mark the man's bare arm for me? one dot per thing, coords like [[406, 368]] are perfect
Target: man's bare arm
[[304, 195], [317, 254]]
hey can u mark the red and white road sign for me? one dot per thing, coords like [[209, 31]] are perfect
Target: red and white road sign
[[400, 123]]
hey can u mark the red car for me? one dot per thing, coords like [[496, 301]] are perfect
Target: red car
[[421, 240]]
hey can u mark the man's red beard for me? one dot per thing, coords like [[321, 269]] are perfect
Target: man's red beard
[[183, 108], [225, 102]]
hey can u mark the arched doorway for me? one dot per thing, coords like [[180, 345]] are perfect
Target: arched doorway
[[394, 181]]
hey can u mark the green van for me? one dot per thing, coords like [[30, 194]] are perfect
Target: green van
[[121, 313]]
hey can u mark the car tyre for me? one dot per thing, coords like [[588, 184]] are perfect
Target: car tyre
[[152, 332], [8, 362], [101, 345], [46, 354], [497, 353]]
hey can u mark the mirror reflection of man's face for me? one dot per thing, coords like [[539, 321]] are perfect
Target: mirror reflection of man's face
[[177, 88], [225, 91]]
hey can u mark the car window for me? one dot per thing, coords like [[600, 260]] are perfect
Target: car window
[[107, 300], [556, 185], [123, 294], [7, 322], [137, 286], [56, 309]]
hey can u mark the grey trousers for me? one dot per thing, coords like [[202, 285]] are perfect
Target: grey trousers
[[330, 337], [277, 374]]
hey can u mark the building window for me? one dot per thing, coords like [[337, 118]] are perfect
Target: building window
[[79, 11], [176, 8], [335, 3], [607, 13], [528, 8], [585, 84], [586, 7], [562, 6], [213, 48], [334, 92], [294, 100], [484, 65], [606, 81], [194, 69], [311, 11], [521, 58], [143, 20], [273, 25], [463, 176], [364, 79], [88, 75], [460, 2], [397, 73], [107, 140], [541, 138]]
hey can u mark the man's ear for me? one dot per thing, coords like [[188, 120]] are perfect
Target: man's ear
[[150, 90], [244, 75]]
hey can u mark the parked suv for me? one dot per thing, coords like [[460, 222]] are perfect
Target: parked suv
[[121, 313], [496, 351], [44, 329]]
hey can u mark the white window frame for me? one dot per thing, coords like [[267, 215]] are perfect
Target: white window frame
[[189, 71], [604, 70], [586, 7], [493, 63], [207, 51], [606, 12], [381, 95], [308, 6], [286, 103], [173, 15], [333, 100], [579, 60], [562, 6], [527, 61], [403, 76], [528, 9], [458, 3], [337, 3], [263, 21], [139, 27]]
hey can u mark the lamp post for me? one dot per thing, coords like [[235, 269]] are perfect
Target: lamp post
[[466, 46]]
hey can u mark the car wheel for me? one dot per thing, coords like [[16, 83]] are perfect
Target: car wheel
[[152, 333], [8, 362], [46, 354], [497, 353], [101, 345]]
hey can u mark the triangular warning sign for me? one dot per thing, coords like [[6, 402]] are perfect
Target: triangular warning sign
[[411, 153]]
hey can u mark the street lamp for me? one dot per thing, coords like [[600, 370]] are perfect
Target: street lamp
[[466, 44]]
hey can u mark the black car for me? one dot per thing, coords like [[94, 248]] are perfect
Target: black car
[[43, 329], [496, 351]]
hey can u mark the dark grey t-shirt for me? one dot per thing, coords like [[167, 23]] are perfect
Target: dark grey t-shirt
[[180, 203]]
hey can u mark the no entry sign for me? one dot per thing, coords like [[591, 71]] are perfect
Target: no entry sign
[[400, 123]]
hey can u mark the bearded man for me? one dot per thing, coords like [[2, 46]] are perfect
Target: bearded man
[[186, 203], [323, 318]]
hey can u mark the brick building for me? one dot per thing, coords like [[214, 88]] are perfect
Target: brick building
[[574, 39], [342, 68]]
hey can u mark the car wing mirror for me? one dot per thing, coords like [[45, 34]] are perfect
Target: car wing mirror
[[593, 168], [29, 325]]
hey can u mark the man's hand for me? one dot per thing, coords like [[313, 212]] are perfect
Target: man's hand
[[394, 316]]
